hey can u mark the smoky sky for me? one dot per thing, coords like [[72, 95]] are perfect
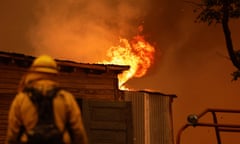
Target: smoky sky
[[191, 59], [79, 30]]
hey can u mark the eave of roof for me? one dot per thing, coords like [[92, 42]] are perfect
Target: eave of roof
[[106, 67]]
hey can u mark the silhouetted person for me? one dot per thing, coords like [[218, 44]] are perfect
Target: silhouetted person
[[41, 80]]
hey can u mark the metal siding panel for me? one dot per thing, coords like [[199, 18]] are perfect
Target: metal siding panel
[[147, 119], [155, 121], [160, 118], [137, 100]]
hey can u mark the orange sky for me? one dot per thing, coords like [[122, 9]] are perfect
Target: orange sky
[[192, 64]]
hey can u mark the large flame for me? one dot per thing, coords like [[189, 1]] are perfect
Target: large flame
[[137, 53]]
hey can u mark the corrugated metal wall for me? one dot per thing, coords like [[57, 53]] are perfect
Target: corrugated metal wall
[[161, 130], [137, 100], [152, 117]]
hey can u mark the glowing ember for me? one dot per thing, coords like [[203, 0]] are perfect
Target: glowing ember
[[138, 54]]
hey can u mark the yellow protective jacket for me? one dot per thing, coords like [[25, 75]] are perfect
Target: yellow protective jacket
[[23, 112]]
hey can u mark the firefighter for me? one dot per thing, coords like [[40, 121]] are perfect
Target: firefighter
[[43, 76]]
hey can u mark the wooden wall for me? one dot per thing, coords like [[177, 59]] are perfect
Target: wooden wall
[[9, 78], [84, 83], [108, 122], [91, 85]]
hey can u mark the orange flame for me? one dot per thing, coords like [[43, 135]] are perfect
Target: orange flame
[[138, 54]]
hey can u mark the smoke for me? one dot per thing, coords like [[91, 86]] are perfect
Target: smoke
[[83, 30], [194, 65], [190, 61]]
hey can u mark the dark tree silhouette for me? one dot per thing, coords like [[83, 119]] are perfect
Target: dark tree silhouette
[[221, 11]]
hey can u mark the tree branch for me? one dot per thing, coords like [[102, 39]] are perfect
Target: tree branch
[[227, 35]]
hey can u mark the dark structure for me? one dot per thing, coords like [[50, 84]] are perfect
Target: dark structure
[[110, 115]]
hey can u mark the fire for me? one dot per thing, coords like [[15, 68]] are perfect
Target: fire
[[137, 53]]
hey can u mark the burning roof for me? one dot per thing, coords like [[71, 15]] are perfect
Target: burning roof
[[23, 60]]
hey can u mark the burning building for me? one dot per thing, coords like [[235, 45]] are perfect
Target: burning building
[[111, 115]]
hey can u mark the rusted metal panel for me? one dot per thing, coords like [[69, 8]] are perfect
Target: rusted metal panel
[[152, 117]]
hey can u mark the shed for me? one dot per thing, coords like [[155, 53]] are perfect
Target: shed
[[110, 115], [87, 82]]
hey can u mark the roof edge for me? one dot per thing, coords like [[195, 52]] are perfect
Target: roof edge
[[19, 56]]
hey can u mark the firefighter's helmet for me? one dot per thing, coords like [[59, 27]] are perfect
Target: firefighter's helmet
[[44, 64]]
